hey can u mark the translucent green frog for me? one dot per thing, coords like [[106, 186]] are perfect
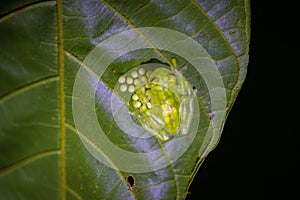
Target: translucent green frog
[[161, 100]]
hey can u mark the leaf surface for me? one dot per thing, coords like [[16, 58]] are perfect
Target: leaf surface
[[43, 47]]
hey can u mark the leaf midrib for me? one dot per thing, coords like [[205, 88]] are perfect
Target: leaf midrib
[[61, 100]]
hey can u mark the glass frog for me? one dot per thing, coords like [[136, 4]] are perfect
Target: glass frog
[[160, 98]]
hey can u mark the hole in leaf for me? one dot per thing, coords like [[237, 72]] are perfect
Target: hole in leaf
[[131, 182]]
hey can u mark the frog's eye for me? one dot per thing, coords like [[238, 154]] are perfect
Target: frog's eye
[[158, 97]]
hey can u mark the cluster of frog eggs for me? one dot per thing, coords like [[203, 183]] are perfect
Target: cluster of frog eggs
[[133, 80]]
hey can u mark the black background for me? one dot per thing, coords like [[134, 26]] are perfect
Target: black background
[[258, 155]]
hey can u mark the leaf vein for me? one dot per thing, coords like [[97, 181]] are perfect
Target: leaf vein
[[24, 88], [24, 8], [135, 28], [28, 160], [74, 193], [170, 17]]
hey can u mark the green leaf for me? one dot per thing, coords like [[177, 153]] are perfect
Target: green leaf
[[45, 46]]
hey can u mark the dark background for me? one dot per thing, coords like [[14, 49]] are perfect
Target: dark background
[[258, 155]]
